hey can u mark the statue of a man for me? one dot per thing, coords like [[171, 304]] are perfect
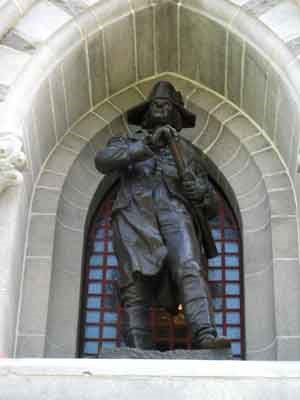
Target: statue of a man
[[156, 236]]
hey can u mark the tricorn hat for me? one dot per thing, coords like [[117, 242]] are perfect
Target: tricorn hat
[[162, 90]]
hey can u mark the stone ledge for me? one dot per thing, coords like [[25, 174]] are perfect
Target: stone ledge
[[106, 368], [147, 379]]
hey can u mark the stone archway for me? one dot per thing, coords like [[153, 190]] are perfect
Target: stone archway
[[235, 145]]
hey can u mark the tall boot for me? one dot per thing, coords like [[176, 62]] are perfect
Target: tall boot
[[197, 311], [136, 327], [195, 300], [204, 332]]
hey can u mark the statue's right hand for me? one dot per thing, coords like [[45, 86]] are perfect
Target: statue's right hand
[[162, 136]]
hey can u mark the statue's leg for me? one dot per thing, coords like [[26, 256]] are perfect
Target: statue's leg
[[194, 296], [136, 300], [184, 261]]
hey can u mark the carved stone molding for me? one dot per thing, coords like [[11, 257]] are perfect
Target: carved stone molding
[[12, 161]]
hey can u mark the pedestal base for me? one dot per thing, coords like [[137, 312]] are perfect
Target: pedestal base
[[127, 352]]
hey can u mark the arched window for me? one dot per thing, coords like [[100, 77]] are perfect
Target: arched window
[[101, 313]]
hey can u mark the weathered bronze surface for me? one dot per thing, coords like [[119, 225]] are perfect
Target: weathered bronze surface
[[160, 219]]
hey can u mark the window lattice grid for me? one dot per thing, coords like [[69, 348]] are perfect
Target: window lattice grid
[[102, 315]]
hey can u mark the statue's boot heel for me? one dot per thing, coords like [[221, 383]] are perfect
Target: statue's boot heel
[[211, 342]]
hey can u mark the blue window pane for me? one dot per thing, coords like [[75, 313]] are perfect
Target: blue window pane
[[93, 302], [96, 274], [233, 318], [93, 317], [109, 332], [218, 318], [109, 302], [112, 274], [110, 317], [219, 247], [236, 348], [110, 233], [231, 247], [232, 302], [110, 247], [112, 261], [108, 345], [232, 288], [92, 332], [217, 303], [215, 262], [100, 233], [91, 347], [95, 288], [234, 333], [216, 233], [230, 234], [214, 274], [232, 275], [99, 247], [109, 288], [96, 260], [232, 261], [220, 331]]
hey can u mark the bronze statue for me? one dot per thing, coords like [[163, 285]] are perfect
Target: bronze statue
[[160, 219]]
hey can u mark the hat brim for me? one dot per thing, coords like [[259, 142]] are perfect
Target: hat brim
[[136, 114]]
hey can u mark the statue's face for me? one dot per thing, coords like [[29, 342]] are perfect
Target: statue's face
[[161, 110]]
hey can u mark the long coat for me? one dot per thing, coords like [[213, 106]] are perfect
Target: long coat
[[138, 247]]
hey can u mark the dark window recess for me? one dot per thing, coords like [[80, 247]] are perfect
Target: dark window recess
[[101, 313]]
